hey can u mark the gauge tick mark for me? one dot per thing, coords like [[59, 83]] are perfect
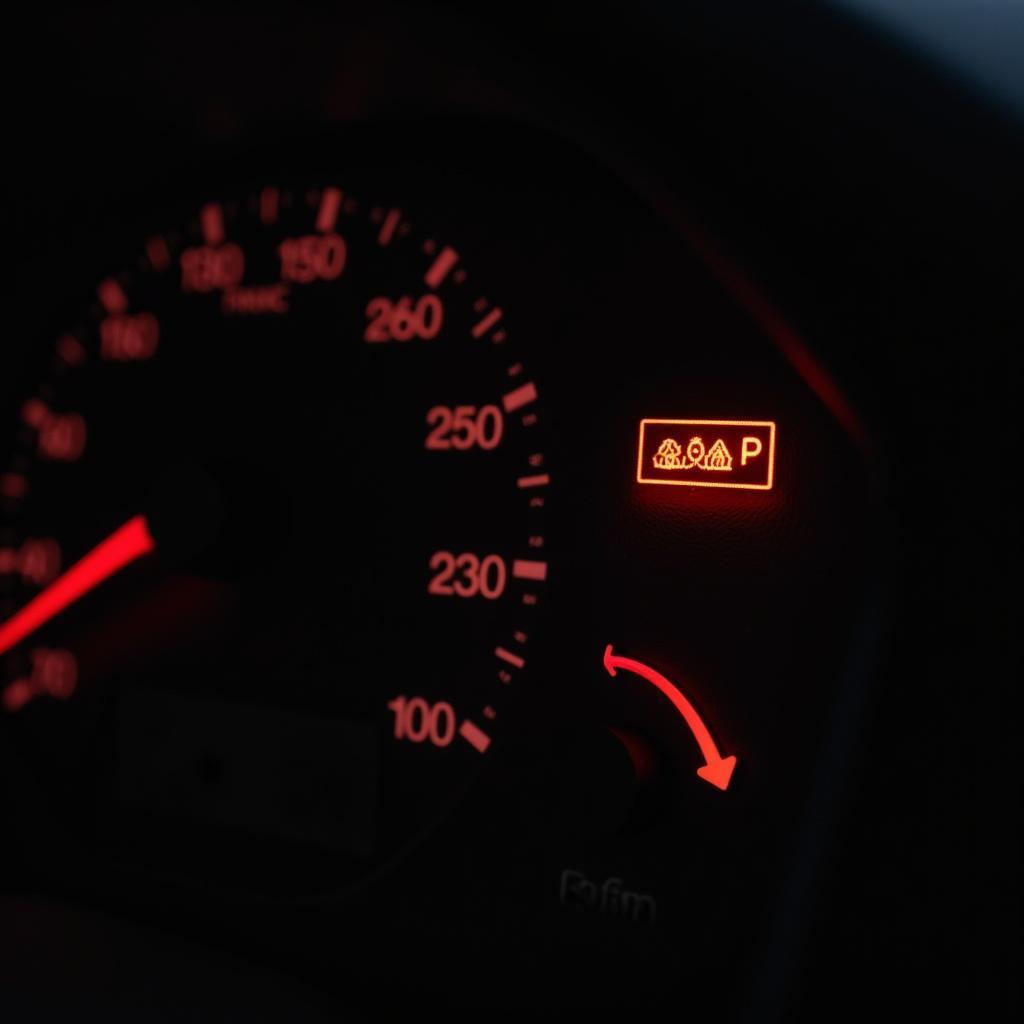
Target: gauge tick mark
[[439, 269], [474, 736], [327, 214]]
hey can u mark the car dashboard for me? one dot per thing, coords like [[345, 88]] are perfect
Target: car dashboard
[[489, 515]]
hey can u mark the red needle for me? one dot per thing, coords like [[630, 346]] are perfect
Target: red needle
[[716, 769], [110, 556]]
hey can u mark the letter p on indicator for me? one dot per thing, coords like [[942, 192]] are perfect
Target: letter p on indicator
[[750, 449]]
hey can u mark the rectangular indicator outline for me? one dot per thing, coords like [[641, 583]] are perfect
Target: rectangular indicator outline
[[770, 424]]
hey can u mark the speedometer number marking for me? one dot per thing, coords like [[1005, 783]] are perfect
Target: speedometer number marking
[[464, 427], [208, 269], [419, 721], [125, 338], [467, 575], [61, 437], [312, 258], [403, 319]]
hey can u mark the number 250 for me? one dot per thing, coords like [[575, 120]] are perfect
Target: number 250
[[464, 427]]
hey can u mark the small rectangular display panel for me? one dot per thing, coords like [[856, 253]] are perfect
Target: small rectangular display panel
[[707, 453]]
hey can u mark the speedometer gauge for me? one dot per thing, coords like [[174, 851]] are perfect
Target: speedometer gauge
[[275, 543], [420, 558]]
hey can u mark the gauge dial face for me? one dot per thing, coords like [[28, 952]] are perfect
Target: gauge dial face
[[312, 414]]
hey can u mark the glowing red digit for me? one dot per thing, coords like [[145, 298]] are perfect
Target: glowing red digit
[[403, 320], [54, 672], [39, 561], [331, 256], [378, 312], [398, 707], [440, 418], [489, 427], [443, 564], [430, 315], [468, 584], [492, 577], [442, 724], [463, 435], [417, 720]]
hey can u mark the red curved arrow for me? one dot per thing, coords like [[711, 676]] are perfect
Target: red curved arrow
[[121, 548], [717, 769]]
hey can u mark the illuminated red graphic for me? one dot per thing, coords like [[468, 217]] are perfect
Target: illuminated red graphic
[[487, 323], [125, 545], [707, 453], [112, 296], [389, 227], [540, 480], [71, 350], [330, 206], [62, 437], [125, 338], [510, 657], [269, 200], [54, 673], [474, 736], [524, 569], [37, 560], [312, 258], [211, 268], [158, 253], [211, 220], [716, 769], [446, 259], [420, 721], [521, 396], [257, 300], [670, 455]]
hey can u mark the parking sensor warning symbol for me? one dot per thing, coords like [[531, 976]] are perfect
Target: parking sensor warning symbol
[[742, 454], [670, 455]]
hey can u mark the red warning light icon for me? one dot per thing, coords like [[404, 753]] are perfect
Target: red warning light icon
[[707, 453]]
